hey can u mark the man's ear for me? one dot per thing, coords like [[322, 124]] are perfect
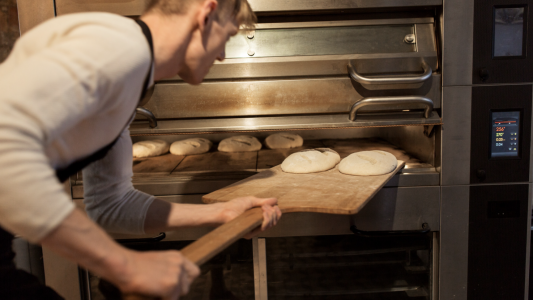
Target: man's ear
[[206, 13]]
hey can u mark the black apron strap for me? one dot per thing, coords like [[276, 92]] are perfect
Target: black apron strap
[[64, 173]]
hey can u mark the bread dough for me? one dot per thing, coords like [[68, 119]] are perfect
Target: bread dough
[[191, 146], [150, 148], [311, 161], [240, 143], [374, 162], [284, 141]]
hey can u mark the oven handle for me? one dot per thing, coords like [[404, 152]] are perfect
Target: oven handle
[[362, 233], [148, 114], [390, 80], [378, 101]]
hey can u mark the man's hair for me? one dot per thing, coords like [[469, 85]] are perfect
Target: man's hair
[[240, 9]]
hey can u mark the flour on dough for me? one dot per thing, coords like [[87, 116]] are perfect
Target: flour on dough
[[374, 162], [283, 141], [240, 143], [150, 148], [311, 161], [190, 146]]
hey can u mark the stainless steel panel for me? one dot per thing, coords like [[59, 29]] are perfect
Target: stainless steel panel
[[456, 111], [453, 265], [260, 269], [33, 12], [425, 38], [401, 209], [322, 41], [271, 97], [303, 5], [390, 209], [458, 45], [121, 7], [310, 122]]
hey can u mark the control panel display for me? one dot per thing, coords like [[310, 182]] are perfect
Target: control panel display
[[509, 24], [505, 134]]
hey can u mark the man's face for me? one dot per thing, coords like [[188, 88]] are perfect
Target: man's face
[[205, 47]]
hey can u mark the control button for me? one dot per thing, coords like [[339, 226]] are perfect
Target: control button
[[484, 74], [481, 174]]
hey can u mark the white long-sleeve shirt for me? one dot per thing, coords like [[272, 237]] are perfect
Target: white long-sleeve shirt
[[68, 89]]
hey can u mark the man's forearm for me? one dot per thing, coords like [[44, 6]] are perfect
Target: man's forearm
[[80, 240], [163, 215]]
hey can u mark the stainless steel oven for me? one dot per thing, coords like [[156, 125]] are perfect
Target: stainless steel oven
[[405, 76]]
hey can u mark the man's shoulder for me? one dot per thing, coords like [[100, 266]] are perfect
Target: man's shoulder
[[77, 20], [98, 28]]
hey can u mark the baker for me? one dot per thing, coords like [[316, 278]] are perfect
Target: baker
[[68, 92]]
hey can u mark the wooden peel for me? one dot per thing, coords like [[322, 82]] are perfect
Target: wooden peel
[[326, 192]]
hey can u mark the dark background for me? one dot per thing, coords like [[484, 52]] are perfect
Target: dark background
[[9, 27]]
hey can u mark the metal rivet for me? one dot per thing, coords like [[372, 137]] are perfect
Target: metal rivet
[[251, 34], [410, 39], [251, 52]]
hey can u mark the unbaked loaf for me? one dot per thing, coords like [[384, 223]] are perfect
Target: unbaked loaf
[[374, 162], [283, 141], [191, 146], [150, 148], [311, 161], [240, 143]]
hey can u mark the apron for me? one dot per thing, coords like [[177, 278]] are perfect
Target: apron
[[18, 284]]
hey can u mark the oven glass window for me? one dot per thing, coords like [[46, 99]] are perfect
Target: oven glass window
[[505, 134], [509, 27]]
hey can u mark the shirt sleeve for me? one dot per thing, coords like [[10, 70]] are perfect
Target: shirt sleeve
[[76, 75], [109, 196]]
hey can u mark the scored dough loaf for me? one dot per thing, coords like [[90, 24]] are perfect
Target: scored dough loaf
[[283, 141], [190, 146], [374, 162], [150, 148], [311, 161], [240, 143]]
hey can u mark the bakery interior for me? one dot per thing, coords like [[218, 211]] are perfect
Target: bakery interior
[[420, 79]]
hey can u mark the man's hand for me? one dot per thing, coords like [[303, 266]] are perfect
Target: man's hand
[[166, 274], [235, 207]]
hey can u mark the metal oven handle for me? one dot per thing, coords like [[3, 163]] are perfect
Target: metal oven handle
[[390, 80], [384, 101], [148, 114]]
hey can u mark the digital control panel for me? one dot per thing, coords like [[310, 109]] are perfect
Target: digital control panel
[[505, 134]]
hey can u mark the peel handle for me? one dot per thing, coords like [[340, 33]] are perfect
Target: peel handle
[[202, 250]]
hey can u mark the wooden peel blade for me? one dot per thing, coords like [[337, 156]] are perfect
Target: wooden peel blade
[[325, 192]]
